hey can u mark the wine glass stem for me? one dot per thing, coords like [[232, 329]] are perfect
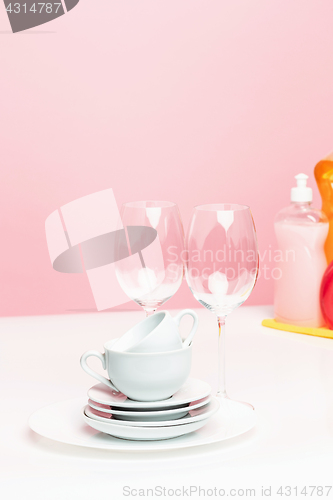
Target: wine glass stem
[[221, 386], [149, 312]]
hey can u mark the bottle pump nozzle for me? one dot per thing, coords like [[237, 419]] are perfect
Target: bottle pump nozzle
[[302, 192]]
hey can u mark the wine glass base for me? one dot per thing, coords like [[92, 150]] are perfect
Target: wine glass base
[[223, 397]]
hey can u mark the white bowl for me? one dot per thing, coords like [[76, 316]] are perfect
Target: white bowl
[[142, 376]]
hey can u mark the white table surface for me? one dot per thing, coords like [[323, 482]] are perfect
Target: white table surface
[[287, 377]]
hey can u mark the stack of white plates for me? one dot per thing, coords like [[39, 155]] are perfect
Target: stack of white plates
[[186, 411]]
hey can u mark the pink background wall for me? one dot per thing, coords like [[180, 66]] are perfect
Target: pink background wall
[[191, 101]]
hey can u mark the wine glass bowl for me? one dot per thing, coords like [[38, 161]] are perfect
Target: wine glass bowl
[[222, 259], [154, 271]]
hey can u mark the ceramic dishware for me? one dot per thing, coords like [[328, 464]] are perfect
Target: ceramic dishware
[[143, 433], [139, 416], [157, 333], [193, 390], [62, 422], [142, 376], [193, 416], [148, 415]]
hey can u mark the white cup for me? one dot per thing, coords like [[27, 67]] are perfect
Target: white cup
[[157, 333], [142, 376]]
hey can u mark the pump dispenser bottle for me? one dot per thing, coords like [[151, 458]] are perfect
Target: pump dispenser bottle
[[301, 232]]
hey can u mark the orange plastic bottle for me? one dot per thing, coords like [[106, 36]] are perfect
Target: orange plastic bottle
[[324, 176]]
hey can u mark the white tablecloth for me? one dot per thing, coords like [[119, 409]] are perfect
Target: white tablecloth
[[287, 377]]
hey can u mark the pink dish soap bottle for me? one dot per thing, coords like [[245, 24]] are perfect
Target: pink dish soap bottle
[[301, 232]]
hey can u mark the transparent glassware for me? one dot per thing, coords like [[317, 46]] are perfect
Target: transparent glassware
[[222, 264], [154, 271]]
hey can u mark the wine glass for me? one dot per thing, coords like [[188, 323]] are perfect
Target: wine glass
[[222, 264], [154, 270]]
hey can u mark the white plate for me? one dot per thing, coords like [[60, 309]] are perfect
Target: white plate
[[143, 433], [193, 416], [192, 390], [63, 422], [154, 416]]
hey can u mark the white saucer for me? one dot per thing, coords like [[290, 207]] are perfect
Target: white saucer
[[193, 416], [192, 390], [139, 415], [143, 433], [63, 422]]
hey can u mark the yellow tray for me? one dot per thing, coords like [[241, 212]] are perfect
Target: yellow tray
[[316, 332]]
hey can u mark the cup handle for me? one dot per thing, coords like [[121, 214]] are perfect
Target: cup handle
[[91, 372], [194, 315]]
